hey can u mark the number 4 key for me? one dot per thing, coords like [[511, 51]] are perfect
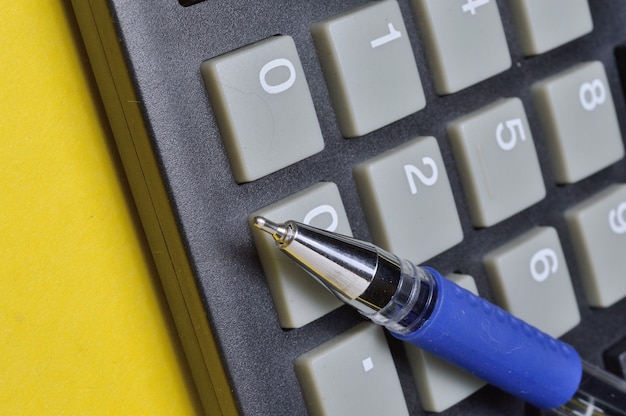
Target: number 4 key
[[472, 5]]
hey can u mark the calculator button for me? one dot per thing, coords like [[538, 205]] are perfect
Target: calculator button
[[263, 107], [440, 384], [597, 228], [298, 298], [578, 118], [543, 25], [496, 154], [369, 67], [530, 279], [408, 202], [464, 41], [352, 374]]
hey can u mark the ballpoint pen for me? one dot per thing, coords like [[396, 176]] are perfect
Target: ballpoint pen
[[417, 305]]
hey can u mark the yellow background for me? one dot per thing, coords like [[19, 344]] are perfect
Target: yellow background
[[84, 327]]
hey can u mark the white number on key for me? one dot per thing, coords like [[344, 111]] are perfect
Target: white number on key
[[368, 364], [591, 410], [515, 128], [412, 172], [543, 263], [472, 5], [592, 94], [283, 86], [617, 219], [323, 209], [391, 36]]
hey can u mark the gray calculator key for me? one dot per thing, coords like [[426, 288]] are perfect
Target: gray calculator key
[[408, 202], [298, 298], [440, 384], [496, 155], [597, 228], [369, 67], [352, 374], [263, 107], [530, 279], [464, 40], [544, 25], [576, 111]]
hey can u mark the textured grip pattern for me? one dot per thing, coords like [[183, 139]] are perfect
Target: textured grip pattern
[[499, 348]]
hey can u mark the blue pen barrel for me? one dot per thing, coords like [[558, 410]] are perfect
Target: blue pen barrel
[[492, 344]]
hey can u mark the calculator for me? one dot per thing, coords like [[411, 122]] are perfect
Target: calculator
[[484, 138]]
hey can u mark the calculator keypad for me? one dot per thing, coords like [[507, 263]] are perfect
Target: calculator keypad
[[369, 67], [372, 79]]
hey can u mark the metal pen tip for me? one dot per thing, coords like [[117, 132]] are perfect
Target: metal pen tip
[[266, 225], [278, 231]]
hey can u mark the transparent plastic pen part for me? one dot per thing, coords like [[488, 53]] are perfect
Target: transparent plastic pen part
[[412, 301], [600, 394]]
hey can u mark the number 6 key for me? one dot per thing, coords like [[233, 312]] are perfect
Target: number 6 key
[[530, 279]]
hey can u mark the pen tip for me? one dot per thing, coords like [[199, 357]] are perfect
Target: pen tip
[[264, 224], [278, 231]]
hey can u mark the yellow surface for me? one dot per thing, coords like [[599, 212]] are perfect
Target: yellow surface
[[84, 327]]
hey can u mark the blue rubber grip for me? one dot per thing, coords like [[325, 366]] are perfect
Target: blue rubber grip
[[494, 345]]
